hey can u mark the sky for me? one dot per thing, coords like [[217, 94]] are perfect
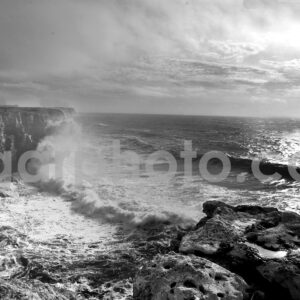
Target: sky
[[199, 57]]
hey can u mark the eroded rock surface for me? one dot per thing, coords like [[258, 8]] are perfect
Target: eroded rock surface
[[226, 225], [259, 243], [181, 277], [284, 273]]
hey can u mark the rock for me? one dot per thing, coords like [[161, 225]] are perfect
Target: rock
[[223, 228], [260, 244], [210, 207], [284, 273], [255, 210], [292, 222], [226, 225], [275, 238], [216, 234], [276, 231], [243, 255], [22, 128], [178, 277]]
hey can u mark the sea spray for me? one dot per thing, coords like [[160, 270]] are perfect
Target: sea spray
[[74, 184]]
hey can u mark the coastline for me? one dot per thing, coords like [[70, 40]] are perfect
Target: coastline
[[241, 252], [47, 253], [258, 247]]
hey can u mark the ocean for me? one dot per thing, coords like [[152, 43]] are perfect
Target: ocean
[[276, 141], [77, 232]]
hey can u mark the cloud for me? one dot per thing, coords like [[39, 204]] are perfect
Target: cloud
[[285, 65], [115, 54], [44, 36]]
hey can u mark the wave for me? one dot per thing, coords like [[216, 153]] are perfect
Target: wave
[[133, 142], [86, 201]]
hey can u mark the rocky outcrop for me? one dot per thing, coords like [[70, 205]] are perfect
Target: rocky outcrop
[[279, 230], [174, 276], [22, 128], [259, 243], [284, 273]]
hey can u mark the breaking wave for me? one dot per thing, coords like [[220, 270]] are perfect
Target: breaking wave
[[86, 201]]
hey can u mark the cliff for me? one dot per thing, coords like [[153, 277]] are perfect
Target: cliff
[[22, 128]]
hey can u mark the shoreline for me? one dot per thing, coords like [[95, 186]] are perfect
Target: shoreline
[[258, 247], [241, 242], [46, 251]]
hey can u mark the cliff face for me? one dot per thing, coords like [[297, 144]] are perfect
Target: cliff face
[[22, 128]]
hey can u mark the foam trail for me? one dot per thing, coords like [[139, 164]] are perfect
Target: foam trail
[[85, 201]]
